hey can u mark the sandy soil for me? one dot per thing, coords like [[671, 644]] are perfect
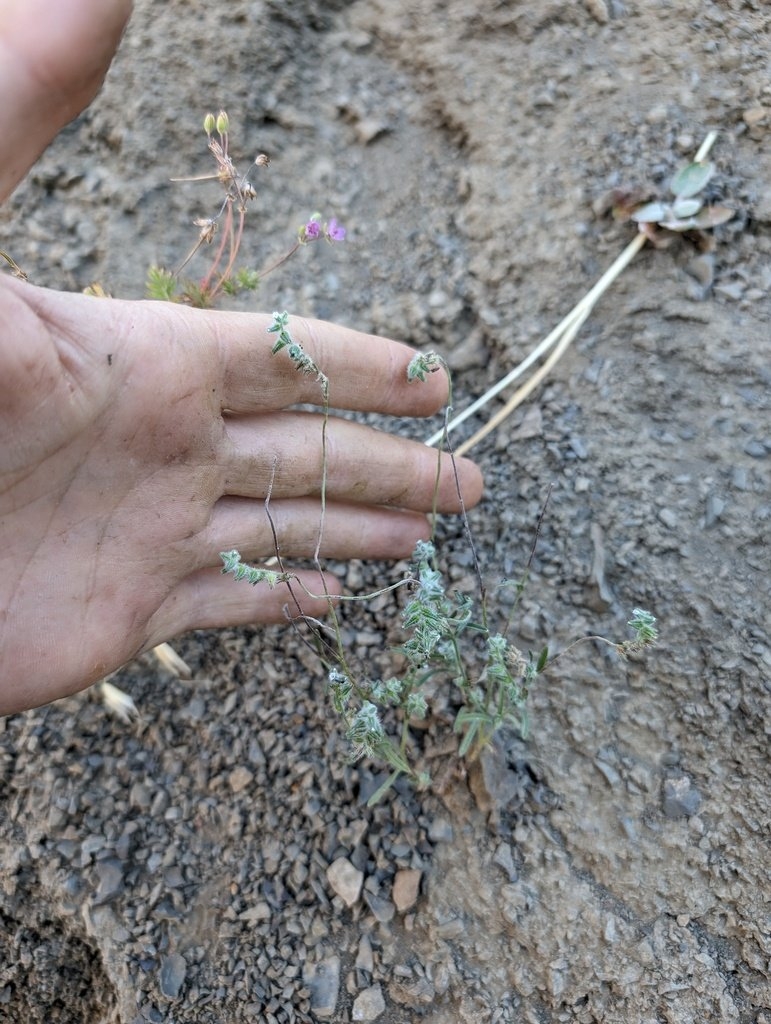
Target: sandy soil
[[614, 867]]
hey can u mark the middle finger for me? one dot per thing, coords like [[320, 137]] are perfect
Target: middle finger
[[283, 454]]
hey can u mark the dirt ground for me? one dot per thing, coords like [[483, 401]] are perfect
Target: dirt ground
[[615, 866]]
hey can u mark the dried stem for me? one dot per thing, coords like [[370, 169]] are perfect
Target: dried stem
[[561, 337]]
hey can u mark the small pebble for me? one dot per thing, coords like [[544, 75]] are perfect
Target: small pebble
[[110, 875], [383, 909], [369, 1004], [504, 860], [406, 889], [346, 880], [173, 970], [239, 779], [680, 798], [323, 981], [364, 958]]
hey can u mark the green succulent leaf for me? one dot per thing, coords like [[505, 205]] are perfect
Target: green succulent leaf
[[686, 207], [651, 213], [691, 179]]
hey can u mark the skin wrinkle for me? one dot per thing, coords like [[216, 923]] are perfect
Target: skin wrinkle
[[195, 468], [33, 367], [232, 386], [64, 338], [116, 567], [298, 468]]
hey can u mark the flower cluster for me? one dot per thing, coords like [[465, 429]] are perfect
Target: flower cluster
[[331, 230]]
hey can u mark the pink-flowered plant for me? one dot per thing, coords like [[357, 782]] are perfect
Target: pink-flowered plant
[[225, 231]]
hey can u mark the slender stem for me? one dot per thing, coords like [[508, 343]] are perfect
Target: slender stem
[[17, 271], [521, 394], [221, 249], [705, 147], [324, 469], [523, 581], [283, 259], [579, 313], [235, 245], [566, 329]]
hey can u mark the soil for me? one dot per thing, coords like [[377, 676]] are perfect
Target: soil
[[615, 865]]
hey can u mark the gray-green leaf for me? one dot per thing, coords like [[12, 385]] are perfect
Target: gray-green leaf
[[691, 179], [651, 213]]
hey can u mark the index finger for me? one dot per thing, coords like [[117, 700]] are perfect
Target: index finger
[[366, 373]]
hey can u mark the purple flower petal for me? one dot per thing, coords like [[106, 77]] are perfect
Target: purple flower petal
[[312, 229], [335, 231]]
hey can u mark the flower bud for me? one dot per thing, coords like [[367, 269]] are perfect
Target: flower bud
[[209, 123], [223, 122], [262, 160]]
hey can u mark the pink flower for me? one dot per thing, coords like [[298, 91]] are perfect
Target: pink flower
[[335, 232], [312, 229]]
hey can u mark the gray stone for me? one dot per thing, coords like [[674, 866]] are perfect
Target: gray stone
[[491, 781], [452, 929], [504, 859], [259, 912], [91, 845], [110, 875], [364, 958], [345, 879], [440, 831], [369, 1004], [323, 981], [680, 798], [383, 909], [173, 970]]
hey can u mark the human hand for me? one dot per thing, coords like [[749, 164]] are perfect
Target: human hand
[[53, 57], [140, 439]]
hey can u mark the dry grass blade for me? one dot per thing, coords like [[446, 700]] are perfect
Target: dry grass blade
[[561, 337]]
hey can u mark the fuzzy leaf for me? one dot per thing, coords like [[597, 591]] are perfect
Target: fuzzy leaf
[[468, 739], [686, 207], [651, 213], [543, 657], [691, 179], [381, 791], [711, 216]]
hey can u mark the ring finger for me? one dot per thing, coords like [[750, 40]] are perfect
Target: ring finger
[[349, 530]]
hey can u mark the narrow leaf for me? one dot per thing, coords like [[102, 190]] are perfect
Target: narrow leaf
[[465, 717], [543, 657], [382, 790], [468, 739]]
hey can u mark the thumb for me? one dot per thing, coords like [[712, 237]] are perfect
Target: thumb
[[53, 57]]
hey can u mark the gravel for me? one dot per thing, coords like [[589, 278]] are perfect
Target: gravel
[[216, 863]]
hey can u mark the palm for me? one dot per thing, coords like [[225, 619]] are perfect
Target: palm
[[150, 440]]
